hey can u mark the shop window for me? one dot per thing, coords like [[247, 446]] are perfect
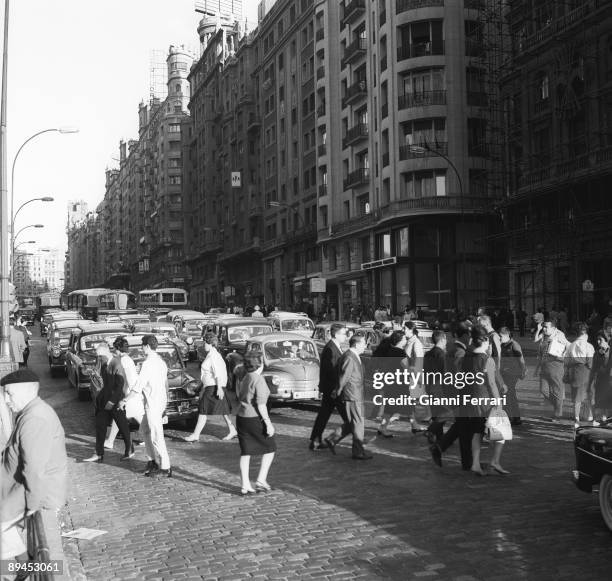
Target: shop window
[[402, 239]]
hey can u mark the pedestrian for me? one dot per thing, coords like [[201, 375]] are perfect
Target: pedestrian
[[578, 365], [550, 366], [391, 352], [135, 411], [600, 381], [26, 337], [257, 312], [460, 428], [17, 343], [107, 403], [521, 316], [420, 414], [213, 399], [350, 390], [513, 369], [328, 382], [33, 465], [153, 385], [381, 314], [434, 363], [477, 360], [255, 429], [494, 340]]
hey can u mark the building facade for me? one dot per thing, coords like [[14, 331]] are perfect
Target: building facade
[[38, 270], [557, 92]]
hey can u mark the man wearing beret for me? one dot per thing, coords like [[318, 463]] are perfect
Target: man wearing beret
[[33, 466]]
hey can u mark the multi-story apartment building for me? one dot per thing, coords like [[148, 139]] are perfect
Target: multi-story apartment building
[[557, 91], [223, 200], [38, 270]]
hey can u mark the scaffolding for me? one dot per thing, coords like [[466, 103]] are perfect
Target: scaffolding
[[158, 75]]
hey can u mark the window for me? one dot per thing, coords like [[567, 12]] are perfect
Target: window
[[174, 180], [333, 259], [383, 246], [423, 184], [402, 246], [174, 128], [323, 215], [543, 87], [426, 132]]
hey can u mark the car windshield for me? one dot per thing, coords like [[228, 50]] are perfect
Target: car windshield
[[290, 349], [297, 325], [168, 354], [89, 342], [63, 333], [193, 328], [236, 334], [169, 332]]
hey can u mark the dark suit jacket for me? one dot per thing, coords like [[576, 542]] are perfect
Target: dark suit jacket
[[33, 469], [328, 375], [350, 377], [114, 381]]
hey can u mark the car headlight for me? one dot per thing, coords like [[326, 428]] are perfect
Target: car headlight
[[275, 380], [189, 341]]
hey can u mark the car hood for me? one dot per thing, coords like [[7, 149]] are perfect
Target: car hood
[[178, 378], [298, 370], [600, 435]]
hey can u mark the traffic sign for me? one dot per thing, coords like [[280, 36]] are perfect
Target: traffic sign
[[236, 179]]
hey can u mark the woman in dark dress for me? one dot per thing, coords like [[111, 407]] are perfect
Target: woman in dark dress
[[600, 381], [255, 430], [478, 361]]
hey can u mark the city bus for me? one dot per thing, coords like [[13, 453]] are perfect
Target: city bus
[[47, 302], [162, 300], [97, 303]]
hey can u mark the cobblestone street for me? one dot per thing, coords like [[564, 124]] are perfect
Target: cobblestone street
[[328, 517]]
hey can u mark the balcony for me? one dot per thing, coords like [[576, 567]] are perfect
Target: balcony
[[253, 124], [322, 150], [477, 99], [252, 246], [420, 49], [405, 5], [357, 178], [541, 106], [352, 10], [353, 224], [320, 72], [434, 204], [478, 150], [320, 34], [355, 92], [405, 151], [355, 50], [355, 134], [321, 110], [423, 99]]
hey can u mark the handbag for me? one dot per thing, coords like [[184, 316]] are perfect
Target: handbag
[[498, 427]]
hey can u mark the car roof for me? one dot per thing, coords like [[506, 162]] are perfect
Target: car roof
[[70, 323], [184, 313], [240, 321], [328, 324], [288, 314], [278, 337], [94, 328]]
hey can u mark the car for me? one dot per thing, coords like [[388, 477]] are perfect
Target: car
[[291, 366], [52, 316], [81, 357], [186, 313], [131, 320], [167, 330], [189, 330], [233, 334], [183, 389], [593, 450], [291, 323], [58, 342], [27, 316], [321, 334]]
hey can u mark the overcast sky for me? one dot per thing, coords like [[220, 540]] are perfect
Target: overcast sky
[[84, 64]]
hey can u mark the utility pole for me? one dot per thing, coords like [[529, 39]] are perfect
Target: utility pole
[[6, 361]]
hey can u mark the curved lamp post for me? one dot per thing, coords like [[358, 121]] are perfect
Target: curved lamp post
[[14, 217], [14, 238]]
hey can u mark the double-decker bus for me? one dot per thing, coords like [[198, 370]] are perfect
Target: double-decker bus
[[162, 300], [97, 303]]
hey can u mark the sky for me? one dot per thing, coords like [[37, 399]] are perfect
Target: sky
[[83, 64]]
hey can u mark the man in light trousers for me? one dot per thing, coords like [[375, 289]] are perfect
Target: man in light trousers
[[153, 384]]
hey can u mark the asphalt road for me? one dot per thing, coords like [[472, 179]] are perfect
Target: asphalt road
[[397, 516]]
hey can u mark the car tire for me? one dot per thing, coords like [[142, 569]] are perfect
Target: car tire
[[605, 499]]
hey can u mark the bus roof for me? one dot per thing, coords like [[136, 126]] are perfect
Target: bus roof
[[162, 290], [99, 291]]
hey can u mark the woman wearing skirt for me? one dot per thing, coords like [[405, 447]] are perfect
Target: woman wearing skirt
[[255, 430], [213, 401]]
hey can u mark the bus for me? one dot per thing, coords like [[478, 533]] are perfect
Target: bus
[[97, 303], [162, 300], [47, 302]]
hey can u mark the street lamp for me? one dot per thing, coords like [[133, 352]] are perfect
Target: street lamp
[[28, 242], [421, 150], [14, 216], [275, 204], [13, 242]]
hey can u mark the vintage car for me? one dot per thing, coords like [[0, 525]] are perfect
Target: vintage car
[[189, 330], [81, 357], [291, 323], [233, 334], [291, 366], [27, 316], [321, 333], [593, 449], [57, 315], [132, 320], [183, 389], [186, 313], [58, 342], [167, 330]]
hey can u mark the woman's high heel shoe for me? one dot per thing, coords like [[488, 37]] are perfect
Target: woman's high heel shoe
[[246, 491], [262, 487]]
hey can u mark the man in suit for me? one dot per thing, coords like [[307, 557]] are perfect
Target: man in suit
[[113, 384], [350, 392], [33, 466], [328, 381]]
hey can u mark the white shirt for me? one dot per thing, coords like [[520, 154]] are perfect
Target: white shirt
[[152, 382], [257, 314], [130, 371], [580, 349], [213, 370]]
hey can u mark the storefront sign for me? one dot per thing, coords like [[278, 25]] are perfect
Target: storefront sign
[[379, 263], [318, 285], [236, 179], [588, 286]]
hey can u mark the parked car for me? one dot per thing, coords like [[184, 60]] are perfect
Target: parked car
[[321, 333], [59, 315], [58, 342], [291, 366], [291, 323], [233, 334], [183, 389], [593, 449], [27, 316], [167, 330], [81, 357]]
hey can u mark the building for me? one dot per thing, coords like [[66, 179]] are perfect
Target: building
[[557, 94], [38, 270]]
